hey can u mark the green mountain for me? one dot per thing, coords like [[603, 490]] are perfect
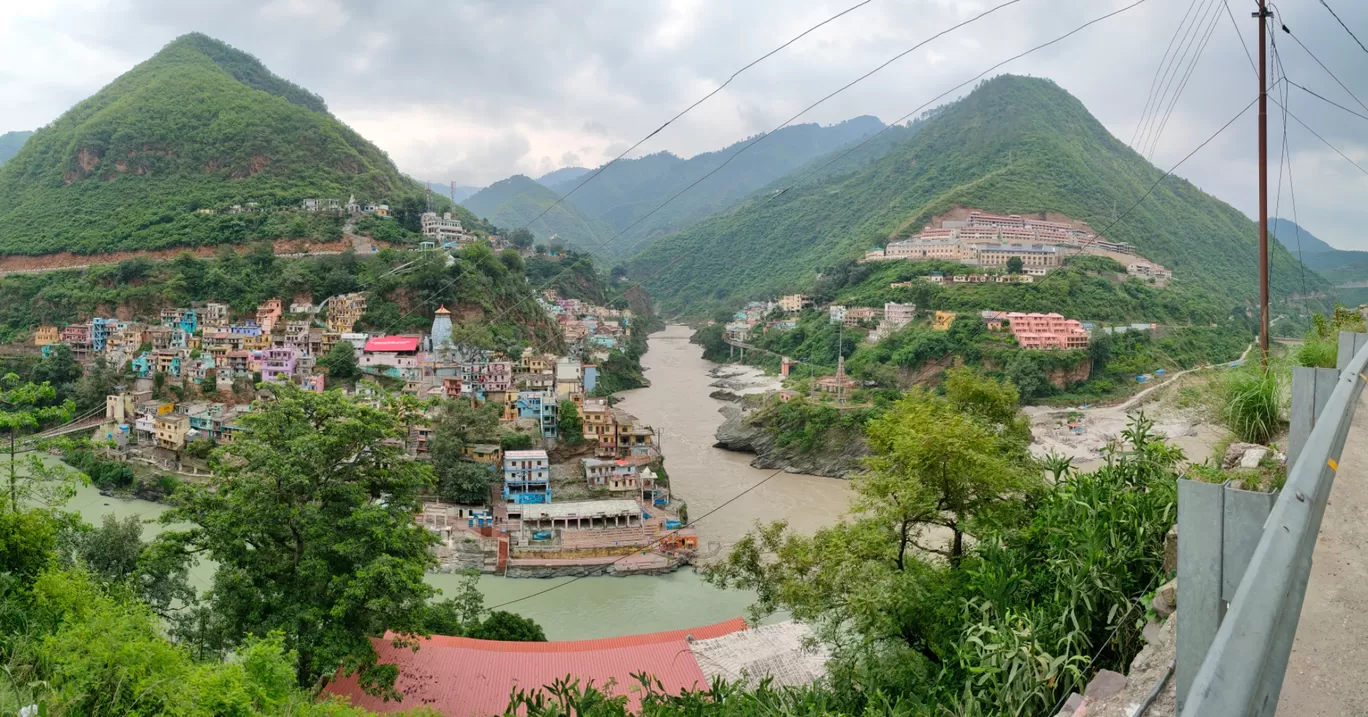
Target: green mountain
[[1338, 266], [564, 174], [1013, 145], [630, 189], [11, 142], [513, 202], [200, 125]]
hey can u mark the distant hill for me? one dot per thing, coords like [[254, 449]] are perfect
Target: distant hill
[[1338, 266], [200, 125], [1294, 237], [1013, 145], [564, 174], [512, 203], [630, 189], [10, 142]]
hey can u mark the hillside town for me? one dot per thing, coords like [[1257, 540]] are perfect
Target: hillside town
[[559, 505]]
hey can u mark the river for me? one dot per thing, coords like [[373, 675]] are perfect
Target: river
[[677, 403]]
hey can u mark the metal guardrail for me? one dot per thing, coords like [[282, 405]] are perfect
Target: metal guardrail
[[1237, 669]]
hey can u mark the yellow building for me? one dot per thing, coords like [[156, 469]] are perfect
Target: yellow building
[[943, 320], [487, 453], [46, 335], [171, 430]]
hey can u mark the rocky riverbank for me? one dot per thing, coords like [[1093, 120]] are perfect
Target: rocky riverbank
[[744, 430]]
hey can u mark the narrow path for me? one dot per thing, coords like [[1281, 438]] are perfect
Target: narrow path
[[1134, 400], [1325, 672]]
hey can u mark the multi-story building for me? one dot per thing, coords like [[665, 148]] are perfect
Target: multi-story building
[[278, 364], [445, 229], [541, 406], [485, 374], [46, 336], [344, 310], [794, 303], [856, 315], [214, 316], [393, 356], [1031, 255], [76, 334], [171, 429], [527, 477], [1149, 270], [899, 315], [1047, 331], [618, 476], [268, 314], [569, 377]]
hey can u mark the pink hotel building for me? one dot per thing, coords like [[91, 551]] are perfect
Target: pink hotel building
[[1047, 331]]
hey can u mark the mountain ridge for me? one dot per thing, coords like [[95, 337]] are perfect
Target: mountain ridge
[[11, 143], [198, 126], [513, 202], [1013, 145]]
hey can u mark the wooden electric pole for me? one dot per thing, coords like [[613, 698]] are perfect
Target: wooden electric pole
[[1262, 16]]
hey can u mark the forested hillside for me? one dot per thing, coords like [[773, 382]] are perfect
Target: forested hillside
[[10, 142], [564, 174], [628, 191], [200, 125], [1014, 145], [515, 201]]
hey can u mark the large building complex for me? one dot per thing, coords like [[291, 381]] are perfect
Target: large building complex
[[1047, 331]]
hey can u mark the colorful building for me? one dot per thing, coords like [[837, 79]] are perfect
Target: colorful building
[[1047, 331], [527, 477]]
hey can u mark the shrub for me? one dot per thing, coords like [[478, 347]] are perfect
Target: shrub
[[1251, 398]]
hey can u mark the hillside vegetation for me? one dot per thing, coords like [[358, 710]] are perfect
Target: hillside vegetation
[[200, 125], [10, 142], [1013, 145], [1338, 266], [515, 201]]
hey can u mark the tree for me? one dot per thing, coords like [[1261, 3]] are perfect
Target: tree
[[461, 615], [58, 368], [24, 407], [619, 273], [516, 441], [460, 422], [341, 362], [521, 238], [570, 427], [506, 626], [96, 384], [309, 518], [1015, 265]]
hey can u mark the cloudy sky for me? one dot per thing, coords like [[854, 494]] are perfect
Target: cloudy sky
[[476, 90]]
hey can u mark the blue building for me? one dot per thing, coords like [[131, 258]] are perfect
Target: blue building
[[142, 365], [527, 477], [542, 406], [246, 328], [99, 332], [590, 378], [189, 321]]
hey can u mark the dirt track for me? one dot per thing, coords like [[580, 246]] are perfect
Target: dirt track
[[67, 260]]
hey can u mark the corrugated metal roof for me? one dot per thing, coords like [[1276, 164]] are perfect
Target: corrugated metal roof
[[461, 677]]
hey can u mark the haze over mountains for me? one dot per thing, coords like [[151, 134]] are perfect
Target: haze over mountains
[[10, 142]]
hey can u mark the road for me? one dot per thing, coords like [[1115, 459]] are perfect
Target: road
[[1135, 400], [1325, 672]]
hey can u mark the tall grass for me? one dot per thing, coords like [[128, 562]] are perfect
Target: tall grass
[[1317, 354], [1252, 400]]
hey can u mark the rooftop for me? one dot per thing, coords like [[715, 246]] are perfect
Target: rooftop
[[581, 509], [393, 343], [459, 677]]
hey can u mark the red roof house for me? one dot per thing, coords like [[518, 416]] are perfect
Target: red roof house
[[462, 677]]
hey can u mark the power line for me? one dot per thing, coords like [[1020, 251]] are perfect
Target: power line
[[700, 101], [898, 121], [1323, 140], [734, 155], [1286, 156], [1098, 236], [1211, 29], [1346, 27], [1323, 67], [815, 104], [1323, 98], [1154, 82], [1243, 46], [577, 578], [1191, 39]]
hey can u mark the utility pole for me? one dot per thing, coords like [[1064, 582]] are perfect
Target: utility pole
[[1262, 16]]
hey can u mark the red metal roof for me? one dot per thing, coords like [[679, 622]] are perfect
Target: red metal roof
[[393, 343], [461, 677]]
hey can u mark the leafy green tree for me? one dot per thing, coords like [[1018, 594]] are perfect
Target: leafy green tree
[[24, 408], [59, 368], [97, 383], [521, 238], [515, 441], [459, 423], [570, 426], [309, 518], [464, 481], [341, 362], [1015, 265], [506, 626]]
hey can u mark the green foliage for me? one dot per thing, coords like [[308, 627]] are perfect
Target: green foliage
[[515, 201], [309, 518], [200, 125], [515, 441], [1053, 578], [1251, 399], [459, 423], [1321, 347], [570, 427], [341, 362], [1015, 145], [102, 472]]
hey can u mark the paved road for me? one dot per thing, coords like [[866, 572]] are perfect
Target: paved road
[[1326, 674]]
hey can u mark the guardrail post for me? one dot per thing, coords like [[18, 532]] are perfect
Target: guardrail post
[[1200, 517], [1244, 514], [1349, 344], [1311, 389]]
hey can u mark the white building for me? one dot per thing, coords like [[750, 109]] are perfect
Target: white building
[[444, 229]]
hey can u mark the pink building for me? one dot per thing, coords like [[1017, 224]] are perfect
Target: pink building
[[278, 364], [268, 314], [1047, 331], [393, 356]]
